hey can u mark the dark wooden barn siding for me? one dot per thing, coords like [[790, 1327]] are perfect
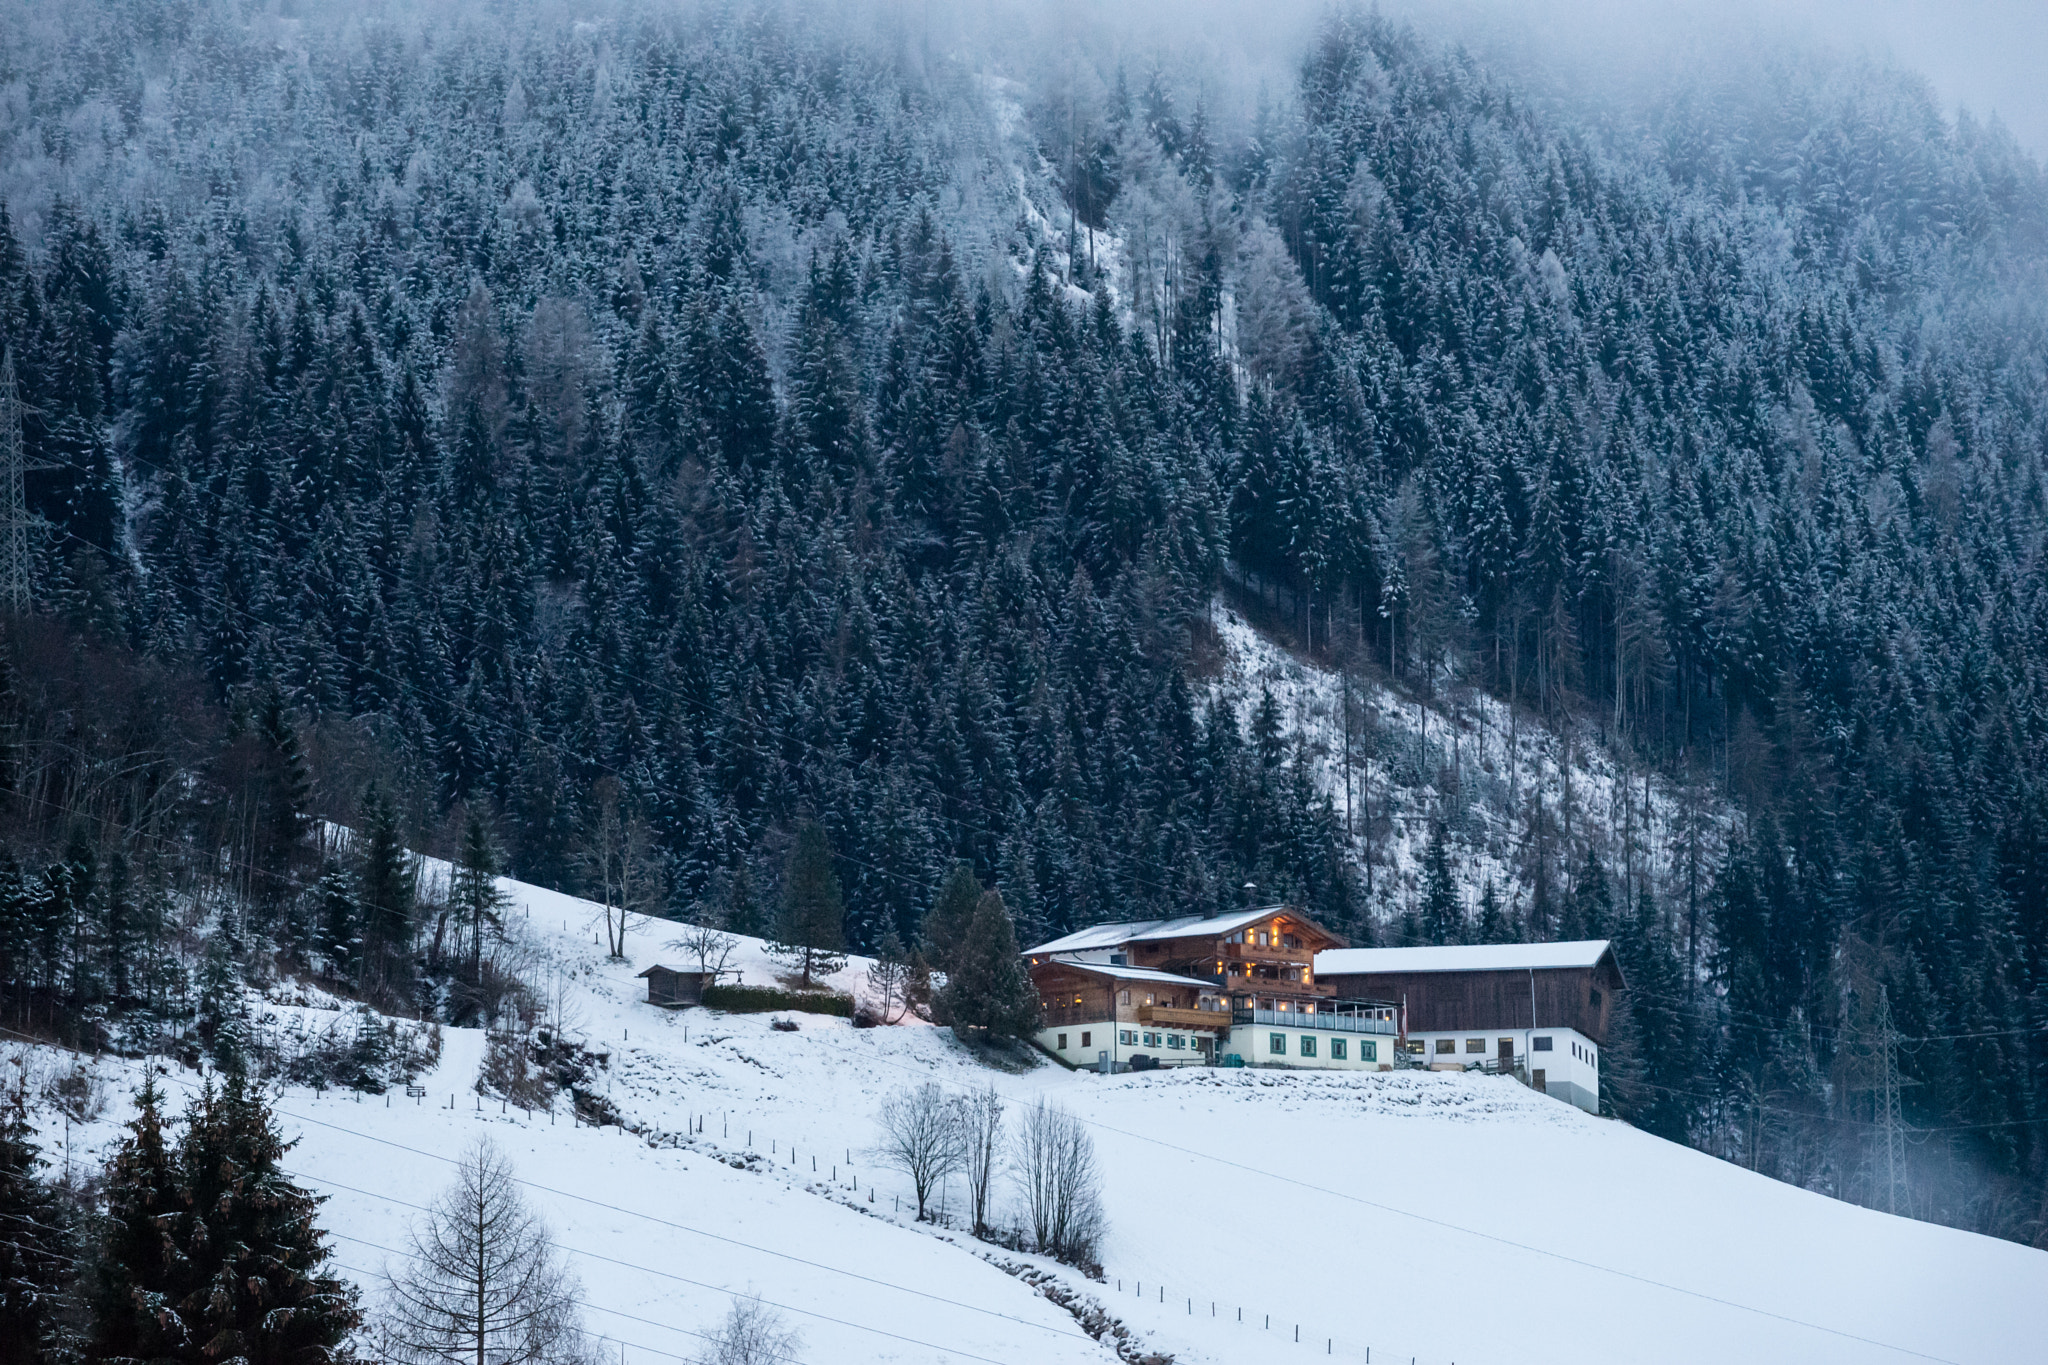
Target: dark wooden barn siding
[[1479, 1001]]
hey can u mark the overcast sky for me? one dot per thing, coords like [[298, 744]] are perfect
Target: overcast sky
[[1990, 56]]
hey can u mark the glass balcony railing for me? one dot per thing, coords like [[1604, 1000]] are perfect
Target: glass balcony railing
[[1335, 1021]]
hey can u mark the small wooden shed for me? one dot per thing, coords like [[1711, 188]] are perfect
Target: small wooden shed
[[673, 986]]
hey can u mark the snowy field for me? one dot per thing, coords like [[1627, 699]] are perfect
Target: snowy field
[[1443, 1218]]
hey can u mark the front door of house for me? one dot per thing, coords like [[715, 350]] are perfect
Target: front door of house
[[1536, 1082], [1506, 1055]]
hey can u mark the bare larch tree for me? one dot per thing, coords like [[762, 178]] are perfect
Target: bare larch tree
[[483, 1285]]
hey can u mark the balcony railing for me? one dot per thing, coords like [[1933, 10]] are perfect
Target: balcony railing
[[1060, 1016], [1252, 952], [1167, 1017], [1331, 1020]]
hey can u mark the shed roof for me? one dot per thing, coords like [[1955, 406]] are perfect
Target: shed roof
[[1478, 957], [1133, 973], [672, 971], [1099, 936]]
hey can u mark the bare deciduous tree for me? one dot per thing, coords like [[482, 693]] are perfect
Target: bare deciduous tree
[[752, 1334], [889, 980], [707, 941], [1055, 1165], [483, 1285], [921, 1138], [980, 1117], [618, 857]]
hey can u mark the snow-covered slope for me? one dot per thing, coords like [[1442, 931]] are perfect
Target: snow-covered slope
[[1465, 759], [1440, 1217]]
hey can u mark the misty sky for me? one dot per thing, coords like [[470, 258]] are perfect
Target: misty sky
[[1986, 55]]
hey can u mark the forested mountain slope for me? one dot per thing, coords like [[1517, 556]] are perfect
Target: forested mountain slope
[[681, 423]]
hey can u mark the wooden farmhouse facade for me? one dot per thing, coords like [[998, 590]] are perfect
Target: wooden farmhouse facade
[[1239, 988], [1537, 1010]]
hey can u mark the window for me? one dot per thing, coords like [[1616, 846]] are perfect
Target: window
[[1123, 997], [1308, 1046], [1339, 1052], [1475, 1045], [1148, 997], [1084, 1040], [1596, 997], [1063, 1042], [1175, 1041], [1127, 1037], [1262, 938], [1151, 1040], [1276, 1043], [1542, 1045], [1368, 1051], [1446, 1045]]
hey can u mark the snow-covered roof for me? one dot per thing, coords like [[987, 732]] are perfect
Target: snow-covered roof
[[1132, 931], [1135, 974], [1478, 957]]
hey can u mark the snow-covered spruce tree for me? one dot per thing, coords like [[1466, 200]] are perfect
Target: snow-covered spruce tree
[[988, 991], [210, 1252], [1442, 915], [36, 1244], [809, 933], [481, 1283], [473, 893], [947, 923]]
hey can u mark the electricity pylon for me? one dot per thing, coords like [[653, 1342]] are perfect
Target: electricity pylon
[[1888, 1105], [14, 569]]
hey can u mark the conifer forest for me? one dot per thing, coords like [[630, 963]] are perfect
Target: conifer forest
[[630, 446]]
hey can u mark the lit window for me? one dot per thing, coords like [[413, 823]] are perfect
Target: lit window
[[1308, 1046], [1276, 1043], [1368, 1051], [1063, 1042], [1475, 1045], [1084, 1040], [1445, 1046], [1339, 1052], [1148, 997], [1542, 1045]]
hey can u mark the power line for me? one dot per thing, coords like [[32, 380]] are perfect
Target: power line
[[667, 1275], [1453, 1227], [637, 1213]]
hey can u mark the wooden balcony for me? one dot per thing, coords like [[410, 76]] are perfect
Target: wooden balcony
[[1248, 952], [1062, 1016], [1162, 1016]]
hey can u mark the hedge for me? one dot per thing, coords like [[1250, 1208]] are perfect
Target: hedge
[[762, 999]]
